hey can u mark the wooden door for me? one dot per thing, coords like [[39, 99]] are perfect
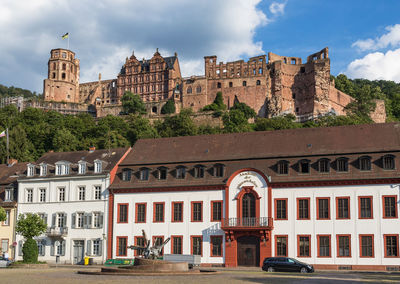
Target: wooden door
[[248, 251]]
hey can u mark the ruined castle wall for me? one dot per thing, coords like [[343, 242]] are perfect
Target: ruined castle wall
[[194, 92], [379, 114], [338, 100]]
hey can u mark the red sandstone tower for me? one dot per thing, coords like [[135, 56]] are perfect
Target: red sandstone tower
[[62, 83]]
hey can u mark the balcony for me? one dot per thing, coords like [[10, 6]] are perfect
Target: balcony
[[57, 231], [249, 223]]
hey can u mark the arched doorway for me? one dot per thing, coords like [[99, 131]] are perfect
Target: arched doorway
[[248, 251]]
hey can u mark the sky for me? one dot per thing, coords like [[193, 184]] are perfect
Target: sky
[[363, 36]]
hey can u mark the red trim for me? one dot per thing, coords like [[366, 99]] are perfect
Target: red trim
[[110, 224], [168, 189], [383, 206], [298, 245], [373, 245], [191, 243], [172, 243], [137, 243], [191, 210], [329, 208], [318, 183], [172, 211], [154, 212], [212, 210], [276, 207], [318, 246], [126, 249], [115, 168], [276, 244], [154, 242], [298, 211], [119, 212], [337, 245], [337, 207], [136, 211], [211, 246], [397, 242], [239, 199], [370, 197]]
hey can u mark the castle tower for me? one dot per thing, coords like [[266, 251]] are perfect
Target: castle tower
[[62, 83]]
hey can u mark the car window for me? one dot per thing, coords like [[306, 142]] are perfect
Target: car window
[[290, 260]]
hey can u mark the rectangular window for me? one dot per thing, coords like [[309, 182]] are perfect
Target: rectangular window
[[61, 217], [29, 195], [61, 194], [216, 245], [81, 193], [158, 241], [391, 245], [281, 209], [97, 192], [8, 196], [79, 220], [366, 245], [199, 171], [342, 165], [342, 207], [324, 245], [343, 246], [303, 208], [196, 245], [177, 211], [323, 210], [216, 211], [389, 206], [4, 245], [281, 243], [303, 245], [139, 241], [365, 207], [177, 244], [97, 220], [197, 211], [96, 247], [42, 195], [123, 212], [158, 211], [140, 212], [41, 248], [7, 220], [122, 246]]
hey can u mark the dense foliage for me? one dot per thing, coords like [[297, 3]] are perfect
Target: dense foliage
[[217, 105], [30, 225], [3, 215], [30, 251], [16, 92], [168, 108], [132, 103]]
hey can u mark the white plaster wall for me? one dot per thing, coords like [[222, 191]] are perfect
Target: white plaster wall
[[354, 226], [168, 228]]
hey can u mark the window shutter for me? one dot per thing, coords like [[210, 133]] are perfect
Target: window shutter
[[52, 248], [89, 220], [101, 220], [65, 219], [63, 247], [20, 244], [85, 221], [44, 247], [73, 220], [53, 220], [45, 218], [100, 251], [89, 247]]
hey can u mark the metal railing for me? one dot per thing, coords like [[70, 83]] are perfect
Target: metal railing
[[246, 222], [57, 231]]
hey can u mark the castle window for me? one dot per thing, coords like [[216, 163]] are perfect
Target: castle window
[[64, 55], [260, 71], [72, 68], [304, 166], [283, 167], [284, 60], [302, 70], [54, 66], [198, 89], [153, 87], [297, 110], [365, 163], [189, 90], [323, 166], [180, 172], [293, 96], [219, 85], [293, 61], [254, 71], [154, 109], [199, 171], [63, 75], [64, 66], [54, 75], [147, 78], [230, 84], [244, 83], [258, 83], [218, 72], [388, 162], [342, 165]]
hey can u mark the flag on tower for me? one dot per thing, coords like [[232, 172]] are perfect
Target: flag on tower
[[3, 134], [65, 36]]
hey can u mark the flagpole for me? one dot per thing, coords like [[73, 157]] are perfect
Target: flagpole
[[8, 147], [68, 41]]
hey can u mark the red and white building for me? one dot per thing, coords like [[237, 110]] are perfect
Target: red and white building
[[326, 196]]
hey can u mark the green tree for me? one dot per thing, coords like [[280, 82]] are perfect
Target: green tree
[[169, 107], [64, 141], [363, 103], [177, 125], [132, 103], [21, 147], [245, 109], [113, 139], [139, 127], [235, 121], [29, 226], [3, 215], [217, 105], [276, 123]]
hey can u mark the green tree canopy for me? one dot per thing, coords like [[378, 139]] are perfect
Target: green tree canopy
[[169, 107], [217, 105], [245, 109], [177, 125], [132, 103], [235, 121], [30, 225], [3, 215]]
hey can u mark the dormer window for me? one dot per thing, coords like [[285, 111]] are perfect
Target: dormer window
[[8, 196], [342, 165], [283, 167], [365, 163], [97, 166], [199, 171], [81, 168], [43, 169], [31, 170], [162, 173], [62, 168], [304, 166], [218, 170], [126, 174], [180, 172], [144, 174], [324, 166], [388, 162]]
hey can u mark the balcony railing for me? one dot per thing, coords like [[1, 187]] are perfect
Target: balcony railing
[[57, 231], [247, 222]]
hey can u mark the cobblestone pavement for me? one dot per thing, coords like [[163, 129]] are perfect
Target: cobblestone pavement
[[69, 275]]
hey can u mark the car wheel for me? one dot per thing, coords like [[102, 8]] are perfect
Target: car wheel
[[303, 270], [270, 269]]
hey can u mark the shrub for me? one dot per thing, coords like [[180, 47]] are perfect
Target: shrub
[[30, 251], [168, 108]]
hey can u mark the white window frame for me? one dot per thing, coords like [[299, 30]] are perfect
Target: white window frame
[[8, 195], [60, 219], [81, 168], [42, 194], [97, 166], [81, 193], [43, 169], [97, 192], [96, 246], [80, 220], [29, 195], [7, 220], [59, 170], [31, 170], [61, 189], [96, 220]]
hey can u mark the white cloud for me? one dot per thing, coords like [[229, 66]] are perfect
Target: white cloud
[[376, 66], [391, 38], [102, 31]]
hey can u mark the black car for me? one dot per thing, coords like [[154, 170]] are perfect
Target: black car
[[286, 264]]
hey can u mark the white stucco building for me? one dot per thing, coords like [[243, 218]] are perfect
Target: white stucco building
[[69, 190]]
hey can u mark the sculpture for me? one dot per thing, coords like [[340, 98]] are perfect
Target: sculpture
[[149, 252]]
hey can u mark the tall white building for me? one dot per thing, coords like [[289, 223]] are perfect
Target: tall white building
[[69, 190], [326, 196]]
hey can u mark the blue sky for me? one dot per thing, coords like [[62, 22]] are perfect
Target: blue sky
[[363, 36]]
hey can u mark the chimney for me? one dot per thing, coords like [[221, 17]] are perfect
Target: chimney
[[91, 149], [12, 161]]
